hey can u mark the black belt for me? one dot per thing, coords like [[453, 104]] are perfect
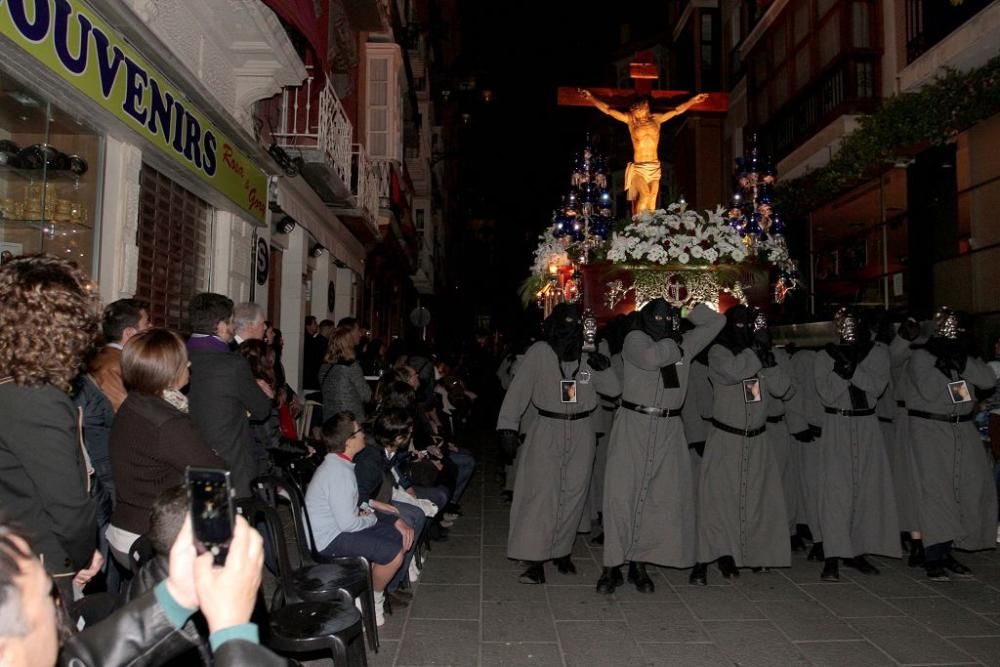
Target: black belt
[[746, 433], [850, 413], [610, 402], [559, 415], [887, 420], [651, 411], [954, 419], [776, 420]]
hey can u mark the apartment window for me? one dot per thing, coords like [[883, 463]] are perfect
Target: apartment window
[[378, 107], [800, 22], [803, 69], [829, 40], [861, 25], [175, 231], [866, 80]]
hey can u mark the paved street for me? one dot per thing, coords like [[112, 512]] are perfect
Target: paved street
[[469, 610]]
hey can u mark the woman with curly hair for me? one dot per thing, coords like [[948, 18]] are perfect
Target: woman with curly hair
[[48, 322]]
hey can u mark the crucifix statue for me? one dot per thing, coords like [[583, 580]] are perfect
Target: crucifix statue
[[642, 176]]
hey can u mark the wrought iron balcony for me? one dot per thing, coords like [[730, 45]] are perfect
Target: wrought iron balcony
[[365, 184], [930, 21], [314, 125]]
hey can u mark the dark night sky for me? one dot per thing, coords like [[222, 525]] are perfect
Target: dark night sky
[[519, 148]]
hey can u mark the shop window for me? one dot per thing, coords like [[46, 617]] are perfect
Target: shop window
[[50, 166], [175, 231]]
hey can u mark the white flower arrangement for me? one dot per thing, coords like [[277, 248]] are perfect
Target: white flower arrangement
[[678, 234], [550, 252]]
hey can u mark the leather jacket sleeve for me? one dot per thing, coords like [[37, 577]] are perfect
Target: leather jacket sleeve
[[237, 653], [138, 634]]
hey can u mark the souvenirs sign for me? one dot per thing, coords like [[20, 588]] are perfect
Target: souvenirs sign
[[70, 39]]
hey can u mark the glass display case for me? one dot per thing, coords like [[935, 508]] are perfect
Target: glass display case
[[50, 168]]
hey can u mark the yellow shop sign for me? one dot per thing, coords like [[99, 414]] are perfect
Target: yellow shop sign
[[68, 38]]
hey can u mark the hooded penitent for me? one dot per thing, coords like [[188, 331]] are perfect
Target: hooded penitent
[[737, 335], [950, 340], [661, 320], [564, 331]]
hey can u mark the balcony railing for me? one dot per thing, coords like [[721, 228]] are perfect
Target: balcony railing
[[383, 169], [365, 182], [312, 117], [930, 21]]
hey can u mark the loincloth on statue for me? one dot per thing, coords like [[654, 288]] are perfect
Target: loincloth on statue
[[647, 171]]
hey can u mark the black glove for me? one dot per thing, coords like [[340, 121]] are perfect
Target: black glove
[[698, 447], [843, 361], [766, 357], [804, 436], [508, 440], [909, 329], [598, 361]]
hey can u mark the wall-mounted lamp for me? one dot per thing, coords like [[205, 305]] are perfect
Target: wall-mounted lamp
[[285, 225], [317, 250]]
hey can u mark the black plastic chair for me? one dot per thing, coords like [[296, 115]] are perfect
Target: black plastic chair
[[298, 625], [140, 553], [320, 576]]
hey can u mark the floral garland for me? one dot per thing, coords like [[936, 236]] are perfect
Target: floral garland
[[678, 235]]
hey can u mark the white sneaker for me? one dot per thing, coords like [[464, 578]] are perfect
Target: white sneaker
[[414, 571], [449, 516], [379, 608], [447, 524]]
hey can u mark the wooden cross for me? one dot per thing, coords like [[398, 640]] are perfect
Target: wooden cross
[[643, 71]]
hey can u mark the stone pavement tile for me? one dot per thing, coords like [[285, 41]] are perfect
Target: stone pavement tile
[[386, 656], [466, 526], [427, 642], [972, 594], [947, 618], [445, 601], [803, 620], [598, 644], [460, 545], [450, 570], [718, 603], [838, 654], [678, 577], [516, 654], [496, 518], [984, 649], [683, 655], [580, 547], [808, 573], [896, 584], [769, 586], [394, 623], [849, 600], [502, 585], [582, 603], [663, 622], [750, 643], [908, 642], [495, 534], [587, 573], [495, 558], [518, 621], [663, 593]]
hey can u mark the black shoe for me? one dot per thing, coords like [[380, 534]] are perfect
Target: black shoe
[[936, 571], [535, 574], [454, 508], [727, 566], [637, 575], [917, 556], [611, 578], [564, 565], [861, 565], [816, 553], [798, 544], [956, 568], [699, 575], [831, 571], [394, 599], [598, 540]]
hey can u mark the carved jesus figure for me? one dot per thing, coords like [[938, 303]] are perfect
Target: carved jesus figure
[[642, 176]]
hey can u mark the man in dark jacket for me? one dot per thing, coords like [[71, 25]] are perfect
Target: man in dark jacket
[[147, 630], [223, 393]]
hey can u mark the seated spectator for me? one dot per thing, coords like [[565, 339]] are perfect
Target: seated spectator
[[340, 527], [47, 323], [153, 439], [373, 469], [341, 378], [223, 392], [146, 631]]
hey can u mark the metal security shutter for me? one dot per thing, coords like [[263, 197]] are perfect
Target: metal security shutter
[[174, 241]]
